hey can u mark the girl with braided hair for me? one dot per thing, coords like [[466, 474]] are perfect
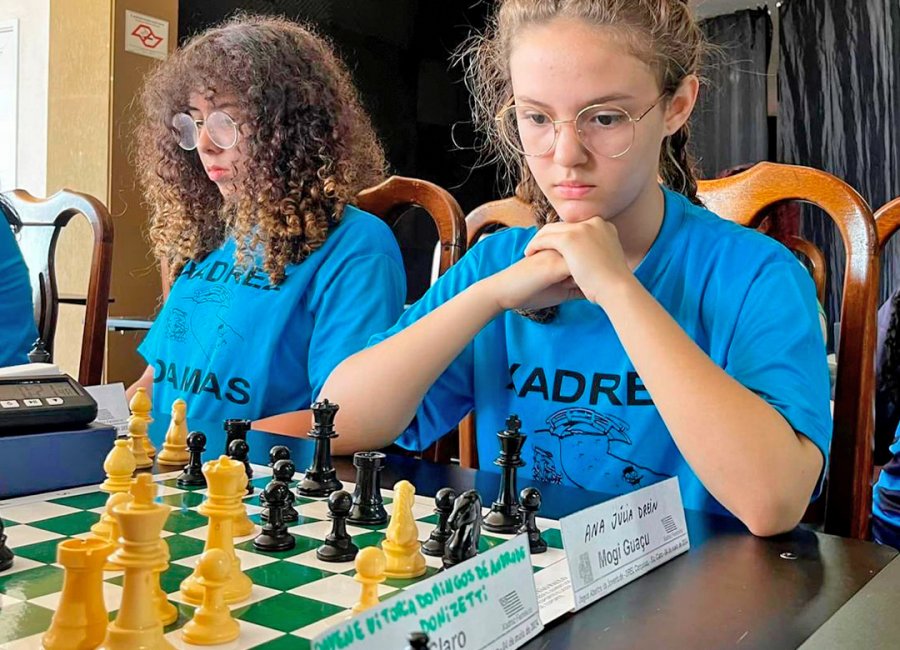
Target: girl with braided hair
[[636, 335], [254, 146]]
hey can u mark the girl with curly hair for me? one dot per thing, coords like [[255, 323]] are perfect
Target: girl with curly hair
[[253, 146], [636, 335]]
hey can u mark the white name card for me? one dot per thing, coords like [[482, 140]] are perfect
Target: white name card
[[486, 603], [612, 543]]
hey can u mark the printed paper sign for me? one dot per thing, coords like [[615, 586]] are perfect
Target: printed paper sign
[[612, 543], [146, 35], [486, 603]]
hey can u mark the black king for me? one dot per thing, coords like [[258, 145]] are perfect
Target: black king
[[504, 516]]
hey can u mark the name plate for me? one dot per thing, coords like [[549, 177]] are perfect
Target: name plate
[[612, 543], [486, 603]]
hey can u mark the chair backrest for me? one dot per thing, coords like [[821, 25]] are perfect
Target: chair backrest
[[511, 212], [41, 221], [397, 194], [392, 198], [887, 222], [745, 198]]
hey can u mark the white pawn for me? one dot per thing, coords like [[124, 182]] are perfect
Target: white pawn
[[137, 428], [174, 451]]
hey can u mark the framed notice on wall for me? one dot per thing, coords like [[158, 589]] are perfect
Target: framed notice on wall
[[9, 96]]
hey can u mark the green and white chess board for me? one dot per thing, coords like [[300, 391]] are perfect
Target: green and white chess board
[[295, 596]]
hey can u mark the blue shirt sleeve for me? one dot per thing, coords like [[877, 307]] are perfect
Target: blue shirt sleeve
[[17, 327], [777, 350], [362, 295]]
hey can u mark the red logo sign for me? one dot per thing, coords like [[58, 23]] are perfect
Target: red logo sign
[[145, 34]]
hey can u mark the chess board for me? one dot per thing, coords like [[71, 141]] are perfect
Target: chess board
[[295, 596]]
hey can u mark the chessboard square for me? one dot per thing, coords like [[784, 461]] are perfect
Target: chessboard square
[[548, 557], [419, 510], [260, 470], [285, 576], [77, 522], [112, 597], [185, 613], [25, 535], [314, 510], [488, 542], [173, 483], [257, 593], [170, 581], [168, 490], [286, 642], [288, 612], [252, 636], [87, 501], [203, 533], [36, 511], [340, 590], [434, 561], [7, 601], [320, 530], [19, 564], [22, 620], [368, 539], [309, 559], [543, 523], [43, 552], [181, 521], [181, 546], [406, 583], [302, 545], [553, 537], [315, 629], [32, 583], [182, 500]]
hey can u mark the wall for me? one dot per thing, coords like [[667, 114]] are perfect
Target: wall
[[31, 132]]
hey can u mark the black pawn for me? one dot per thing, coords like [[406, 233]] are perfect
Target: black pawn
[[6, 555], [239, 450], [417, 641], [235, 429], [39, 352], [275, 536], [443, 506], [276, 453], [338, 546], [504, 515], [368, 504], [283, 472], [530, 503], [321, 477], [192, 476]]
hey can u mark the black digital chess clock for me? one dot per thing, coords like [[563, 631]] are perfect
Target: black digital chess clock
[[46, 403]]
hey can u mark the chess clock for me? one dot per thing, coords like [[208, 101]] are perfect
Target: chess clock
[[46, 403]]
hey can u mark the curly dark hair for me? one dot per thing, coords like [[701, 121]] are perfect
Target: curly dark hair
[[310, 145]]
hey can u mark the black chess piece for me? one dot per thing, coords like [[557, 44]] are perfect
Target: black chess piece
[[338, 546], [321, 477], [368, 504], [276, 453], [239, 450], [275, 536], [465, 522], [283, 472], [530, 503], [443, 506], [6, 554], [192, 476], [38, 352], [504, 516], [235, 429], [417, 641]]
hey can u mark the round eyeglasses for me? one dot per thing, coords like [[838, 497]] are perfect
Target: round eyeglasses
[[222, 130], [603, 129]]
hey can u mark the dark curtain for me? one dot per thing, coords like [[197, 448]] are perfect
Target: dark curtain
[[729, 122], [840, 66]]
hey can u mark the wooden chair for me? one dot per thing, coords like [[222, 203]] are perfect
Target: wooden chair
[[887, 222], [41, 221], [744, 198], [389, 200]]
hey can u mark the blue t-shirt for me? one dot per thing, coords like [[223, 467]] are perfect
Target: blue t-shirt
[[886, 505], [17, 328], [590, 422], [234, 346]]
